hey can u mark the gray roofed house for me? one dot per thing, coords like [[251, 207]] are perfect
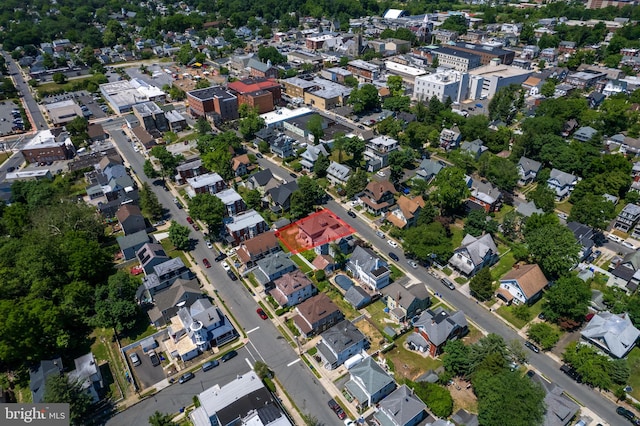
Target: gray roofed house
[[281, 195], [150, 255], [310, 156], [584, 234], [428, 169], [163, 276], [462, 417], [474, 254], [475, 148], [405, 303], [338, 173], [368, 267], [369, 383], [38, 377], [402, 408], [528, 170], [273, 266], [260, 179], [614, 334], [183, 293], [339, 343], [628, 217], [357, 297], [561, 183], [559, 408], [87, 372], [434, 328], [484, 196], [130, 244], [529, 209], [584, 134]]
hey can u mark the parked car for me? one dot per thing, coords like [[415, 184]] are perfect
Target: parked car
[[333, 405], [262, 314], [189, 220], [627, 414], [177, 203], [380, 234], [226, 357], [532, 346], [196, 227], [153, 356], [392, 243], [351, 213], [206, 263], [413, 264], [232, 275], [394, 256], [448, 283], [225, 266], [221, 256], [571, 372], [259, 155], [293, 175], [341, 414], [186, 377], [209, 245], [210, 364], [135, 359], [530, 374]]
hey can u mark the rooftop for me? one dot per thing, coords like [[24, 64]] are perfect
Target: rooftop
[[245, 220]]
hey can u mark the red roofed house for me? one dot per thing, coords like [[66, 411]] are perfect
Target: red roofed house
[[378, 196], [522, 284], [240, 164], [260, 93], [292, 288], [317, 314], [406, 212], [320, 229], [257, 247]]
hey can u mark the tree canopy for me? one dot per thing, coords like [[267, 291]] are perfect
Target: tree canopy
[[554, 259], [209, 209], [364, 98]]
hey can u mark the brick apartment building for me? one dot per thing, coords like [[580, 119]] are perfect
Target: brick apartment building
[[260, 93], [213, 100]]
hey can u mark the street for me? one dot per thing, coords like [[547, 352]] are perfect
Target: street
[[37, 119]]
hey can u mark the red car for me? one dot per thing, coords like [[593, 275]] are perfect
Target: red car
[[206, 263], [190, 220], [262, 314], [196, 227]]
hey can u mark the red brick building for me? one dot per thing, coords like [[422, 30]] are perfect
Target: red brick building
[[213, 100], [260, 93]]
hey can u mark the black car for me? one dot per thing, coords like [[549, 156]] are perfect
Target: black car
[[333, 405], [153, 356], [209, 365], [259, 155], [293, 175], [220, 257], [448, 283], [571, 372], [530, 374], [627, 414], [226, 357], [186, 377], [232, 275], [394, 256], [351, 213], [532, 347]]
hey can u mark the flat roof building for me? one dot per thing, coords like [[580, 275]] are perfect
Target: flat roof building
[[63, 112], [46, 147], [213, 100], [123, 95]]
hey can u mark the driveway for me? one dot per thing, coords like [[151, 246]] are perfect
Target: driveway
[[146, 374]]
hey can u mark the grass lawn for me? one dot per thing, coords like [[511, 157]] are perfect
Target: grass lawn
[[395, 272], [506, 313], [346, 308], [633, 359], [503, 266], [461, 280], [564, 207], [4, 156], [105, 349], [457, 234], [378, 315], [173, 252], [301, 264], [410, 364], [499, 216]]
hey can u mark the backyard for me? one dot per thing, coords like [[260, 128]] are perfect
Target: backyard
[[633, 359], [507, 312], [409, 364]]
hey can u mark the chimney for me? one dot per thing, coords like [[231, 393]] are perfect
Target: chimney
[[399, 297]]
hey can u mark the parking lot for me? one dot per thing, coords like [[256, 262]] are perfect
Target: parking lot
[[7, 118], [146, 374]]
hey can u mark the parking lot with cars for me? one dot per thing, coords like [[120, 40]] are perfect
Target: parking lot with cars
[[10, 119]]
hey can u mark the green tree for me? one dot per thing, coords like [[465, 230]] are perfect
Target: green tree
[[478, 222], [209, 209], [451, 189], [270, 53], [78, 130], [356, 183], [395, 85], [161, 419], [320, 166], [543, 334], [149, 170], [219, 160], [202, 83], [261, 369], [554, 259], [355, 147], [548, 88], [179, 236], [168, 161], [250, 125], [428, 241], [364, 98], [437, 398], [253, 199], [304, 199], [202, 126], [592, 210], [457, 23], [115, 303], [543, 197], [149, 202], [456, 358], [315, 126], [567, 301], [502, 172], [59, 78], [351, 81], [59, 388], [481, 284]]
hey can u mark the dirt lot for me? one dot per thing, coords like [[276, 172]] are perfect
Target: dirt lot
[[463, 396], [368, 329]]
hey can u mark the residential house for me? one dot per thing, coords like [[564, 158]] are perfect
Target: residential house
[[316, 315], [272, 267], [209, 183], [339, 343], [245, 400], [198, 328], [406, 212], [282, 146], [310, 156], [377, 152], [378, 197], [369, 383], [366, 266], [528, 170], [450, 138], [595, 99], [338, 174], [474, 148], [87, 374], [163, 276], [434, 328], [523, 284], [560, 409], [151, 255], [281, 196], [405, 303], [261, 69], [484, 196], [190, 169], [38, 377], [463, 417], [240, 165], [262, 181], [292, 288], [321, 229], [253, 249], [627, 272], [561, 183], [627, 218], [474, 254], [614, 334], [130, 244], [183, 293], [401, 408], [528, 209], [429, 169], [131, 219], [244, 226], [233, 202], [585, 134], [585, 236], [357, 297], [532, 85]]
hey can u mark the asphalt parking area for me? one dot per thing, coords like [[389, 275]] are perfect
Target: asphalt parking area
[[146, 374], [6, 117]]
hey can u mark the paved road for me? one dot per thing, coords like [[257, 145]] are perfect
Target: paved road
[[477, 313], [265, 343], [38, 119]]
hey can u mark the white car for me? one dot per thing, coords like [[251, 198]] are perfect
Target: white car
[[392, 243], [380, 173], [209, 245], [226, 266]]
